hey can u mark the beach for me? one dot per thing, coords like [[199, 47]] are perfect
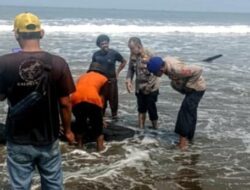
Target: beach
[[217, 159]]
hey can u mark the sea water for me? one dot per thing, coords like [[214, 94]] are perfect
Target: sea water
[[219, 156]]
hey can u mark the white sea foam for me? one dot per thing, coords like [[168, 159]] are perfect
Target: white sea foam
[[246, 140], [121, 29], [222, 137]]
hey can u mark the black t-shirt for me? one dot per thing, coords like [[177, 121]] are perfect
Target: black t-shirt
[[108, 60], [18, 79]]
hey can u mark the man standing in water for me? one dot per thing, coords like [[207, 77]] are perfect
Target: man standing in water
[[187, 80], [146, 84], [32, 135], [107, 58]]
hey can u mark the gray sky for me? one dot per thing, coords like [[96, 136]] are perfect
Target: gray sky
[[173, 5]]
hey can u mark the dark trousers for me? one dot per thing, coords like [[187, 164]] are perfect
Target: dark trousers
[[88, 115], [112, 96], [147, 103], [187, 116]]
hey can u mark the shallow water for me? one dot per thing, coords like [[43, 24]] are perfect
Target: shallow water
[[219, 156]]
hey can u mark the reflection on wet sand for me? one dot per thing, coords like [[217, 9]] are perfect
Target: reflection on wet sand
[[186, 176]]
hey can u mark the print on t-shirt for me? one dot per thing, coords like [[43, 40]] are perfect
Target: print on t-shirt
[[30, 71]]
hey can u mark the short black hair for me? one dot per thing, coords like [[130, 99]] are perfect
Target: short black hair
[[102, 38]]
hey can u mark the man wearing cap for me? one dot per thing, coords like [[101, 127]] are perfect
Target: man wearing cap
[[187, 80], [88, 102], [32, 137], [107, 58]]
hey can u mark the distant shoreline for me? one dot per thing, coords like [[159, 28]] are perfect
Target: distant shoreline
[[117, 9]]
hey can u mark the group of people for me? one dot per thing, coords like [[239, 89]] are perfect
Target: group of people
[[32, 136]]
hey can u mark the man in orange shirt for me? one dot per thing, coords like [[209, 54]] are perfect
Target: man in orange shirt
[[88, 103]]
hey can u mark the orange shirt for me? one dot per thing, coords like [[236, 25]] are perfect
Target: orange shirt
[[88, 88]]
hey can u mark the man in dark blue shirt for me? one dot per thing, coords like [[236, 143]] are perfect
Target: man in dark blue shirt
[[107, 58]]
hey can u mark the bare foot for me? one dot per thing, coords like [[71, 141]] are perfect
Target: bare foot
[[183, 143], [79, 139], [155, 124], [114, 117], [100, 148], [100, 143], [141, 126], [80, 145]]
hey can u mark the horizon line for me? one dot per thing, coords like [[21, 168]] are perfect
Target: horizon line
[[125, 9]]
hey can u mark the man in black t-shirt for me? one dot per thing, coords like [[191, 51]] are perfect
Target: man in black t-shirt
[[107, 58], [32, 137]]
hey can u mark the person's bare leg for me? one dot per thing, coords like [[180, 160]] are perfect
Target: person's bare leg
[[141, 120], [155, 124], [183, 143], [100, 143], [79, 139]]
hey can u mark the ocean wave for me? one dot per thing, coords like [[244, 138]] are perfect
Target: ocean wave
[[121, 29]]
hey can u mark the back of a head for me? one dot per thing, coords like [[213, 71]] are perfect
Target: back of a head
[[155, 64], [97, 67], [101, 38], [27, 25]]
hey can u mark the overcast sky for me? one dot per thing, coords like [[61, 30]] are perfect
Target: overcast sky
[[173, 5]]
